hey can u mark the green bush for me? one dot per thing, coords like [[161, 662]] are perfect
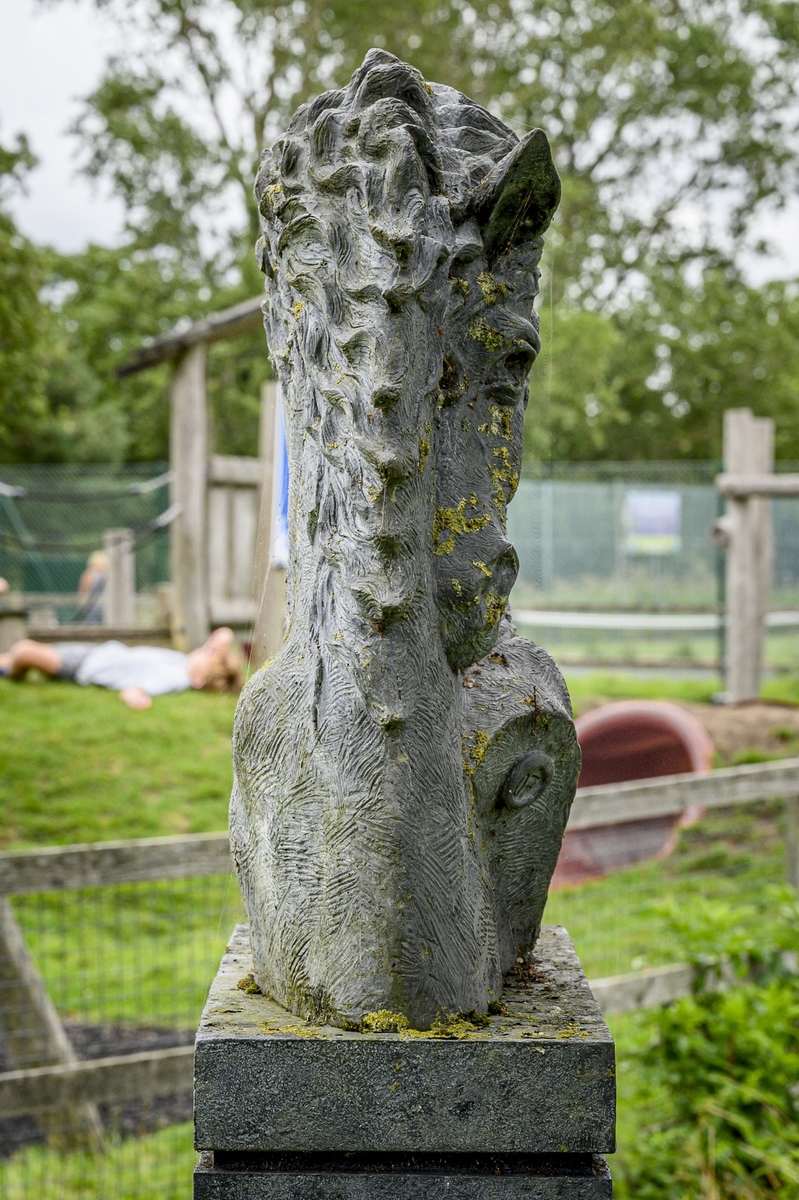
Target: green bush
[[719, 1083]]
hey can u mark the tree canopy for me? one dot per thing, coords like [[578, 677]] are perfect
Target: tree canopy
[[675, 128]]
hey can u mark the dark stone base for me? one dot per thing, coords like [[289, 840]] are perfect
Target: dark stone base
[[226, 1175], [538, 1078]]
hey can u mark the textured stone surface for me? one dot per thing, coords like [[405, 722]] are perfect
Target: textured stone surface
[[538, 1078], [405, 765], [412, 1177]]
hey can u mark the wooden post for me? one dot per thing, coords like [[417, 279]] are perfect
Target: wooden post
[[13, 621], [748, 450], [270, 580], [188, 450], [120, 588], [35, 1036], [792, 840]]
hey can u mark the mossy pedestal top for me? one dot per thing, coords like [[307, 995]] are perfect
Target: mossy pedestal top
[[536, 1078]]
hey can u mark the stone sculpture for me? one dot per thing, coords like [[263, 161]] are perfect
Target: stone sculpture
[[404, 767]]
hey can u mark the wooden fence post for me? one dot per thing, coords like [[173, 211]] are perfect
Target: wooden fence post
[[120, 588], [748, 450], [188, 451], [792, 840], [270, 580], [35, 1036]]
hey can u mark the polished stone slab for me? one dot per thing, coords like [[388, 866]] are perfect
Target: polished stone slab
[[235, 1176], [538, 1079]]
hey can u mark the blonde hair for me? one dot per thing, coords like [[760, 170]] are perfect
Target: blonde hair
[[226, 674]]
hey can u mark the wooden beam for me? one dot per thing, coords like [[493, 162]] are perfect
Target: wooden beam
[[234, 611], [105, 1080], [153, 635], [55, 868], [615, 803], [35, 1038], [188, 452], [215, 328], [748, 451], [651, 988], [236, 470], [742, 486], [119, 600]]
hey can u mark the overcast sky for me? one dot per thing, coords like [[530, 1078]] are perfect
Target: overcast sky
[[52, 55]]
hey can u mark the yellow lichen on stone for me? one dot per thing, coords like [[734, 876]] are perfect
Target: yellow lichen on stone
[[482, 567], [475, 748], [248, 985], [481, 331], [298, 307], [493, 291], [384, 1021], [501, 421], [455, 522], [424, 450], [495, 607]]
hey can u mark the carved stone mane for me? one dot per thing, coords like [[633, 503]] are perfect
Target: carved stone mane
[[398, 810]]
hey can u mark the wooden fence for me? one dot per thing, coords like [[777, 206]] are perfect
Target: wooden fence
[[62, 1083]]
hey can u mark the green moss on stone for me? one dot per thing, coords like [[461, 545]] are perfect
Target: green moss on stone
[[481, 331], [493, 291]]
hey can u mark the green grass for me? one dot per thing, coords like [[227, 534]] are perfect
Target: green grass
[[156, 1167], [618, 924], [139, 953], [590, 688], [77, 766]]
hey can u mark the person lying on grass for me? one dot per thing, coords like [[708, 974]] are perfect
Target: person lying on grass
[[137, 672]]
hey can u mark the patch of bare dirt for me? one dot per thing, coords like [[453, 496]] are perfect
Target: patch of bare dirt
[[738, 729]]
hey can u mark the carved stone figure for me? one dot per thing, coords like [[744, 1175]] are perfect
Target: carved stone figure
[[404, 767]]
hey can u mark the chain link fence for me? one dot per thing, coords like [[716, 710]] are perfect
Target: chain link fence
[[52, 517], [634, 539], [127, 966], [126, 969]]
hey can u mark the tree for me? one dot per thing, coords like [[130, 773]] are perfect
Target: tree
[[674, 125], [652, 381], [658, 110], [22, 372]]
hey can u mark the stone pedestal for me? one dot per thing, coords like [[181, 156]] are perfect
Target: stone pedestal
[[522, 1106]]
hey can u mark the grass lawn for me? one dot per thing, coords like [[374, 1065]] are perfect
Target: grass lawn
[[77, 766]]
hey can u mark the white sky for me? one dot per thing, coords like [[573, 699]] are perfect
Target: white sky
[[52, 55]]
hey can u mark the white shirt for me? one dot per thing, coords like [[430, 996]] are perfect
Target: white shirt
[[151, 668]]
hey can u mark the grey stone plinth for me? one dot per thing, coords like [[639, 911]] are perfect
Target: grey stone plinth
[[538, 1079], [408, 1177]]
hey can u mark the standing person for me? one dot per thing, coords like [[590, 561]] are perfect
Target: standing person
[[137, 672]]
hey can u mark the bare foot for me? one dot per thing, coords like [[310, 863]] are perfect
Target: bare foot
[[135, 698]]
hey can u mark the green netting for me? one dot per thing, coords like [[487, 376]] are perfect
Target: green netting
[[53, 516]]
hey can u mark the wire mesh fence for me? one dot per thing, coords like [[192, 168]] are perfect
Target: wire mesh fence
[[626, 537], [622, 923], [636, 538], [127, 967], [52, 517]]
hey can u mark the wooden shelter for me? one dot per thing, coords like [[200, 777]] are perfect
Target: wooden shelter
[[221, 536]]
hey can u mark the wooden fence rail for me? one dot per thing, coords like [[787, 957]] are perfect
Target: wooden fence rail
[[55, 868]]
